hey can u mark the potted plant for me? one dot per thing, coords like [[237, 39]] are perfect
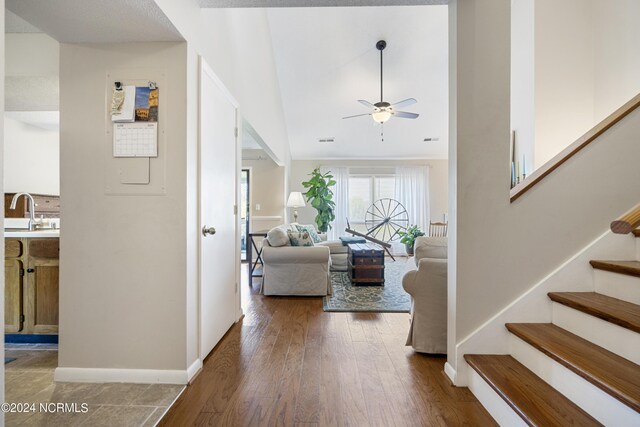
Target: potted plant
[[320, 196], [409, 237]]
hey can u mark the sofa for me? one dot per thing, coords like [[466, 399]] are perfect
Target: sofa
[[426, 282], [294, 270]]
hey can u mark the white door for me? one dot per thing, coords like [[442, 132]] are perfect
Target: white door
[[218, 179]]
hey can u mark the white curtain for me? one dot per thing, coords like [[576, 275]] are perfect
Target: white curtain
[[341, 199], [412, 190]]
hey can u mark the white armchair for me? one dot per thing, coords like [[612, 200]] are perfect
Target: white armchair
[[296, 270], [426, 282]]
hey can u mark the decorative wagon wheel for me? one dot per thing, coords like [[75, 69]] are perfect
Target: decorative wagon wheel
[[385, 218]]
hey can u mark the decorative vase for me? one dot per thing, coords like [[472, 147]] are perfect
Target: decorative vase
[[409, 248]]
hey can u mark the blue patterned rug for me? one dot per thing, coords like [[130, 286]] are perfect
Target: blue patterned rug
[[390, 298]]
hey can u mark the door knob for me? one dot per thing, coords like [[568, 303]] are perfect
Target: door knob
[[208, 230]]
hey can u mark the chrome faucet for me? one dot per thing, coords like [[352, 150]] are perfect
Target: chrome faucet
[[31, 206]]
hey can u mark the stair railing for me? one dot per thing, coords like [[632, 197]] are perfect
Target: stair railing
[[627, 222], [586, 139]]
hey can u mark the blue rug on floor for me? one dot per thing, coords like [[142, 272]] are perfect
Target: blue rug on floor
[[9, 359], [390, 298]]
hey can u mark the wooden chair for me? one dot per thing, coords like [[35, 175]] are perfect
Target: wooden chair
[[438, 229]]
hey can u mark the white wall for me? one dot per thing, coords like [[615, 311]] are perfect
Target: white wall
[[31, 54], [586, 66], [617, 54], [267, 189], [564, 74], [523, 81], [438, 180], [123, 266], [31, 159], [237, 45]]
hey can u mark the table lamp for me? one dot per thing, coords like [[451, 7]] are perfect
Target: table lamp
[[295, 201]]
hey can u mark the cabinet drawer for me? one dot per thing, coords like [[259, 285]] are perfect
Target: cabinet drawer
[[44, 248], [12, 248]]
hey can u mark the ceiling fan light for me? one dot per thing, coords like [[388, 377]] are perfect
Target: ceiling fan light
[[381, 116]]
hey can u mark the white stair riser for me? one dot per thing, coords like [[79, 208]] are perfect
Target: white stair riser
[[614, 338], [617, 285], [492, 402], [637, 248], [590, 398]]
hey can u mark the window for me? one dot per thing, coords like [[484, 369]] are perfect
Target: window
[[363, 191]]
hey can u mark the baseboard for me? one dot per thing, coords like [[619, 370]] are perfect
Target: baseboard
[[451, 372], [194, 370], [144, 376]]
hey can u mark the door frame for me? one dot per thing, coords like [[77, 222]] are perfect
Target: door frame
[[249, 195], [203, 67]]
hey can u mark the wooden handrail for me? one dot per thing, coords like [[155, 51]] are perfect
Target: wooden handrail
[[627, 222], [574, 148]]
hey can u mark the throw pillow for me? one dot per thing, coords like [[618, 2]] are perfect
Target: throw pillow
[[300, 238], [278, 236], [311, 230]]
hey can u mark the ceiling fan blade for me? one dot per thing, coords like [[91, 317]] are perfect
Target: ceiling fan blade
[[357, 115], [404, 103], [366, 103], [405, 115]]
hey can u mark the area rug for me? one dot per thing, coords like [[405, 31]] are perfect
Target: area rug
[[390, 298]]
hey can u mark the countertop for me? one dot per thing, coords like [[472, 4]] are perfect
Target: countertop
[[19, 233]]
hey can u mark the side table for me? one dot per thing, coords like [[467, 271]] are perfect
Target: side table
[[254, 270]]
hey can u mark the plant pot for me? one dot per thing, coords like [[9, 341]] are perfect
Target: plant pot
[[409, 249]]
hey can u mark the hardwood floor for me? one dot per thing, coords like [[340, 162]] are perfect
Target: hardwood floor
[[288, 363]]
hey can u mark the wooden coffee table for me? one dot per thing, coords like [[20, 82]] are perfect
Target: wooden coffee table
[[366, 264]]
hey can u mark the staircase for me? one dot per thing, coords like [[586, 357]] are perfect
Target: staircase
[[582, 369]]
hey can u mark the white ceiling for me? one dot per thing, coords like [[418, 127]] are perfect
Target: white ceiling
[[97, 21], [314, 3], [14, 24], [326, 60]]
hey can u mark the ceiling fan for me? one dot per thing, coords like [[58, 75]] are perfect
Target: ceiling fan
[[383, 111]]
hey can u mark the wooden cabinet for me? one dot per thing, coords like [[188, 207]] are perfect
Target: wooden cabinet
[[31, 285]]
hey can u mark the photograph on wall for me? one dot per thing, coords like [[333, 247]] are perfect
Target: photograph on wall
[[146, 104]]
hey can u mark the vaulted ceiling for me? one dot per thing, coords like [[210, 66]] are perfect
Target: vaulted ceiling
[[326, 60]]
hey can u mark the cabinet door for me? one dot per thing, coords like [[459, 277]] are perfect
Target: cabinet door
[[42, 295], [13, 318]]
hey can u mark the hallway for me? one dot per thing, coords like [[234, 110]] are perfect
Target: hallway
[[290, 363]]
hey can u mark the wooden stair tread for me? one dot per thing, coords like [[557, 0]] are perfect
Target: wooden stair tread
[[611, 373], [535, 401], [636, 232], [630, 268], [619, 312]]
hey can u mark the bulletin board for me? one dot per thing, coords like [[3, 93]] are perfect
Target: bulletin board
[[135, 142]]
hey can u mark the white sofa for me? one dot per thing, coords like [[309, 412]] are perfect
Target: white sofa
[[426, 282], [295, 270]]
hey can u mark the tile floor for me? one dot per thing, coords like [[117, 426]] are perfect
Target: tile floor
[[29, 379]]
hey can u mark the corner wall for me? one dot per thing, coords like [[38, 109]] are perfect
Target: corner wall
[[504, 248], [123, 266]]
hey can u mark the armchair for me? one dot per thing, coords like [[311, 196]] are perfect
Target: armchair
[[426, 282]]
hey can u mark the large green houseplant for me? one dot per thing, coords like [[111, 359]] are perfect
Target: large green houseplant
[[320, 196]]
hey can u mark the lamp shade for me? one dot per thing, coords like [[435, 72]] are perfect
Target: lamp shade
[[295, 200]]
